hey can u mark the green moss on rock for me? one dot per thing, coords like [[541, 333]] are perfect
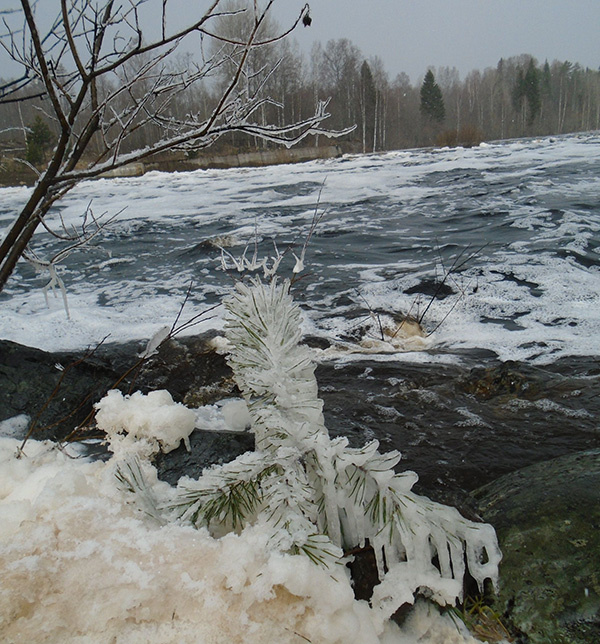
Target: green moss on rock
[[547, 518]]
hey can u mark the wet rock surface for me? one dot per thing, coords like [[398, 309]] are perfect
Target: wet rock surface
[[207, 448], [459, 425], [58, 390], [190, 370], [547, 518]]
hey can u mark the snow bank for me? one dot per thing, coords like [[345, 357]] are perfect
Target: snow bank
[[79, 564]]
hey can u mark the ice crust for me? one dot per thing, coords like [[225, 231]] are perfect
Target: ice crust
[[95, 569]]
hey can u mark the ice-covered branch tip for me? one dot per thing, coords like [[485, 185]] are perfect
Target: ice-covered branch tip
[[273, 370]]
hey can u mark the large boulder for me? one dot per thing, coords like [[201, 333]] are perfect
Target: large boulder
[[547, 517]]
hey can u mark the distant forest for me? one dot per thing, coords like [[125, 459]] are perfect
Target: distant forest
[[519, 97]]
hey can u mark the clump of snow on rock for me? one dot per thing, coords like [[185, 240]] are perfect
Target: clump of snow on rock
[[154, 418], [81, 564], [228, 415], [236, 415], [14, 427]]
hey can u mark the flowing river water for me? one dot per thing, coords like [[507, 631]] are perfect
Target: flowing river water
[[490, 252]]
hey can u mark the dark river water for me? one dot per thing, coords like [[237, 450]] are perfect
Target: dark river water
[[494, 251]]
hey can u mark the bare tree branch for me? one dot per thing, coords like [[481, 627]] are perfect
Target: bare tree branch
[[108, 84]]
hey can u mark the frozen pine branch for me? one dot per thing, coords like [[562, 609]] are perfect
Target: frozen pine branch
[[271, 367], [130, 476], [319, 496]]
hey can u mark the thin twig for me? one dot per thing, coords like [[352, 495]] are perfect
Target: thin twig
[[64, 372]]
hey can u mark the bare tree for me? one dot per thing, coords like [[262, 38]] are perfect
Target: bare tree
[[105, 80], [339, 72]]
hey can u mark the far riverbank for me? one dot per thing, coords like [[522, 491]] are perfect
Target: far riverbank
[[13, 173]]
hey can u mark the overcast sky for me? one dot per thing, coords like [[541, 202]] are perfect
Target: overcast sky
[[410, 35]]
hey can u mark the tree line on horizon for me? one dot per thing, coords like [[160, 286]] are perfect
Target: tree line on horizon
[[519, 97]]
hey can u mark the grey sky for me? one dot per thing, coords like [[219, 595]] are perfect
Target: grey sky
[[410, 35]]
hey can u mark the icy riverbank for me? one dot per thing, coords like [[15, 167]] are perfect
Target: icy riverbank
[[530, 296]]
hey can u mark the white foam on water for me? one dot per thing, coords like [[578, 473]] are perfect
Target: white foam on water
[[384, 217]]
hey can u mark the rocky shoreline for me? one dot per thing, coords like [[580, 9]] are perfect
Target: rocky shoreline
[[546, 513]]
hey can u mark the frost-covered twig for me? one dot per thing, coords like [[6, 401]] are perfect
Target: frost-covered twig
[[269, 265], [79, 239], [316, 220], [109, 84], [40, 266]]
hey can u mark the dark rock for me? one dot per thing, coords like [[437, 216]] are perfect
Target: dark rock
[[433, 288], [316, 342], [362, 564], [547, 517], [207, 448], [363, 570], [190, 370], [56, 390]]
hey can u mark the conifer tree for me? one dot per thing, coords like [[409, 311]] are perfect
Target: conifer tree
[[39, 141], [527, 94], [368, 102], [532, 91], [546, 80], [432, 101]]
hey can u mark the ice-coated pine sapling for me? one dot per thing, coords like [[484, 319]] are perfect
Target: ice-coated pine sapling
[[317, 495]]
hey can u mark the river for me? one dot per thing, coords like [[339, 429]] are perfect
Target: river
[[493, 250]]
